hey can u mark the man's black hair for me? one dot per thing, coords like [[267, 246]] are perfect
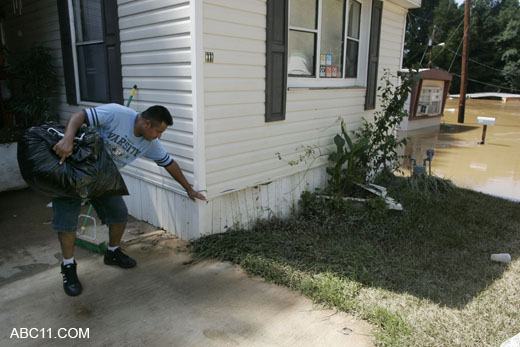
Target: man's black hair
[[157, 114]]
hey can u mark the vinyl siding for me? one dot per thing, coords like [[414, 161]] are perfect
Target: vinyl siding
[[392, 36], [156, 44], [244, 178], [240, 209], [242, 164], [240, 147], [156, 56]]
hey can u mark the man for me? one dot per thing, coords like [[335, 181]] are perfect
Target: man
[[127, 136]]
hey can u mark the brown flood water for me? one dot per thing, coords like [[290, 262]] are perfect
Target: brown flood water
[[492, 168]]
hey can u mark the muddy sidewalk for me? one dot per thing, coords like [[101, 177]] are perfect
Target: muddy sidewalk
[[167, 300]]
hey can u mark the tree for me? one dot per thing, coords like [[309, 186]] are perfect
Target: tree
[[509, 43], [484, 64], [449, 19], [494, 55], [418, 31]]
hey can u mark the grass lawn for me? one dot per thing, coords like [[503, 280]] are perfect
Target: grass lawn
[[422, 276]]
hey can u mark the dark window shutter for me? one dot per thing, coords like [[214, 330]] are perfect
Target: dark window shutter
[[112, 51], [66, 51], [276, 59], [373, 54]]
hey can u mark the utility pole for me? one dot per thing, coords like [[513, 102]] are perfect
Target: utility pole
[[464, 72], [430, 43]]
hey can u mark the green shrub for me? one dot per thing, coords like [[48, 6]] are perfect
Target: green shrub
[[38, 80], [346, 169], [381, 154]]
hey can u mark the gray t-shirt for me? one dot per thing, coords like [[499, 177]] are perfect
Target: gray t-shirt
[[115, 123]]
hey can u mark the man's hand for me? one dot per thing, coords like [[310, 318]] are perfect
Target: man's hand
[[175, 171], [64, 148], [192, 194]]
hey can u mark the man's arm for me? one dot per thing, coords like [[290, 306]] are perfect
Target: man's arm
[[175, 171], [64, 147]]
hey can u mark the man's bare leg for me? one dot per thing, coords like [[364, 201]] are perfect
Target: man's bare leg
[[115, 233], [67, 243]]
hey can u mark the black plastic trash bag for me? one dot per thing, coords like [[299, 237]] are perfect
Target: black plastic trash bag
[[88, 173]]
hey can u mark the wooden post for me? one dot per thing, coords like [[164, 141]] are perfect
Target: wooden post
[[484, 129], [464, 72]]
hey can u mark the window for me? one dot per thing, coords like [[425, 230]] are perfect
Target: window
[[318, 31], [89, 52], [354, 22], [90, 48], [303, 36], [430, 101]]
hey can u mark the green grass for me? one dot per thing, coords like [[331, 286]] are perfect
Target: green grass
[[421, 276]]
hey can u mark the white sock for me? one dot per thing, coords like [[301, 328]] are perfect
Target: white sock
[[111, 249], [68, 261]]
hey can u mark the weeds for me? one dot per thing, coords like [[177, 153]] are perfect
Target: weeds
[[421, 276], [430, 185]]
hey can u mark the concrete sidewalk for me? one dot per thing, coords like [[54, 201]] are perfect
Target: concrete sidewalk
[[167, 300]]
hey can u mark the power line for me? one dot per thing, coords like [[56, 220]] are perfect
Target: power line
[[449, 39], [458, 54], [455, 55], [488, 84], [477, 62], [446, 45]]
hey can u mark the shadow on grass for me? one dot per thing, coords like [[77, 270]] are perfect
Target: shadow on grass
[[437, 249]]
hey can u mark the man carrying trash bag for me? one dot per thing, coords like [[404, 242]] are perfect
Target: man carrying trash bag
[[127, 135]]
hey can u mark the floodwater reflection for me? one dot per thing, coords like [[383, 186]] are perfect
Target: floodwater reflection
[[492, 168]]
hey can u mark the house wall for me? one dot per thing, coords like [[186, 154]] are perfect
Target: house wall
[[156, 55], [245, 178]]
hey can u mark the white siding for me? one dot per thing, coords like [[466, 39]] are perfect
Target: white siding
[[162, 207], [156, 55], [241, 148], [245, 179], [277, 198], [392, 36]]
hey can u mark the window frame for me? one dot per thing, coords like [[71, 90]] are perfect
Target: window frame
[[75, 45], [322, 82]]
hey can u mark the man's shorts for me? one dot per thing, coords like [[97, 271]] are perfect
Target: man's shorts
[[111, 210]]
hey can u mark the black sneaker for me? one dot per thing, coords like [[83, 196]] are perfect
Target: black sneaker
[[71, 283], [117, 257]]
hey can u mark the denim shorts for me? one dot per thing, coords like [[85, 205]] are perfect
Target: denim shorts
[[110, 209]]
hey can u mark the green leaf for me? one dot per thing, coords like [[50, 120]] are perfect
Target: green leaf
[[338, 140]]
